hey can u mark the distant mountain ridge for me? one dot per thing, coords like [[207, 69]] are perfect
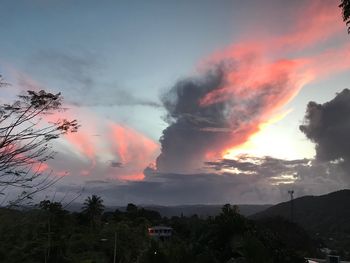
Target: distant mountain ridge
[[325, 216], [310, 211], [185, 210], [203, 210]]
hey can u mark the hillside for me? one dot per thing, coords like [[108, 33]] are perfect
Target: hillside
[[326, 217], [203, 210], [28, 235], [185, 210]]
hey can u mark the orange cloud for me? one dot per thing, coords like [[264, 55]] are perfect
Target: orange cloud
[[83, 142], [134, 150], [331, 61], [132, 177], [317, 21], [271, 69]]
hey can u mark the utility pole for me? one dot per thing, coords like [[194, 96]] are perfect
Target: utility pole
[[291, 193], [47, 250], [115, 247]]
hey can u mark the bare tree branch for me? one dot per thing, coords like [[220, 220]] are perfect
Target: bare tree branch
[[25, 141]]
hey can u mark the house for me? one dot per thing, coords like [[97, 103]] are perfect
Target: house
[[160, 232]]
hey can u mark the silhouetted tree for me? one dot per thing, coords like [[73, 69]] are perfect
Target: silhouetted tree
[[345, 6], [55, 243], [93, 208], [25, 138], [28, 236], [131, 208]]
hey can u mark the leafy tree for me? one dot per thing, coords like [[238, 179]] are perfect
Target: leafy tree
[[131, 208], [93, 208], [55, 230], [154, 254], [345, 6], [26, 237], [25, 141]]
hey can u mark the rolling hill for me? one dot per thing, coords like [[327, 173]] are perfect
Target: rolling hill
[[326, 217]]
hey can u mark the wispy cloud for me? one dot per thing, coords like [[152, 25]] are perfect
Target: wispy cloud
[[79, 76]]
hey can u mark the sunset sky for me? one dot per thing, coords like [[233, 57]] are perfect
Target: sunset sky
[[187, 102]]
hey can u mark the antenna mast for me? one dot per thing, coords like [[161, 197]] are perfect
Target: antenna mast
[[291, 193]]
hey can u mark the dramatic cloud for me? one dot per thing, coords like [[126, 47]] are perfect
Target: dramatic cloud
[[133, 150], [84, 144], [194, 131], [247, 180], [112, 151], [117, 153], [243, 87], [279, 170], [237, 90], [100, 148], [315, 21], [224, 108], [328, 126]]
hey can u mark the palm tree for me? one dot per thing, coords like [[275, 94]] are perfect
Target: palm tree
[[93, 207]]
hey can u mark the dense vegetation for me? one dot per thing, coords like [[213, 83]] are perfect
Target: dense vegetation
[[325, 217], [49, 233]]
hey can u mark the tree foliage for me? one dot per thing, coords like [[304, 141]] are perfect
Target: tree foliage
[[93, 207], [25, 141], [59, 236], [345, 6]]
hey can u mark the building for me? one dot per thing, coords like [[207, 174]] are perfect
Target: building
[[329, 259], [160, 232]]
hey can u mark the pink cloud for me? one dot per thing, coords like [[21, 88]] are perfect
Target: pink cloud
[[270, 70], [134, 150]]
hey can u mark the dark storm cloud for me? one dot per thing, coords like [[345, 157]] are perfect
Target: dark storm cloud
[[80, 74], [187, 135], [197, 130], [328, 126], [116, 164], [173, 189], [268, 181]]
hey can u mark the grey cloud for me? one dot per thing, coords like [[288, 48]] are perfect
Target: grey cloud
[[113, 97], [328, 126], [83, 86], [75, 69], [116, 164], [221, 186], [263, 166], [172, 189], [197, 130], [185, 140]]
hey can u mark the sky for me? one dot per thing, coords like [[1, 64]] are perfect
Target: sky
[[187, 102]]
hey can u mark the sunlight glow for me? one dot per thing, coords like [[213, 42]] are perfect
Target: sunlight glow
[[269, 141]]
